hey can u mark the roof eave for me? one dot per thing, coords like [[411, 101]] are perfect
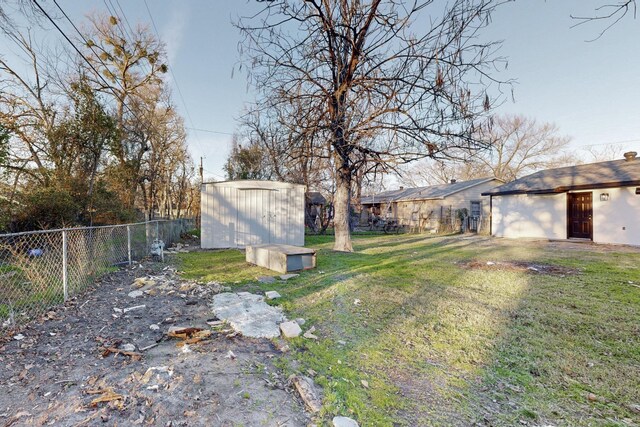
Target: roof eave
[[565, 189]]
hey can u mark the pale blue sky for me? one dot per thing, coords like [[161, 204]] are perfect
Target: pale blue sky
[[591, 90]]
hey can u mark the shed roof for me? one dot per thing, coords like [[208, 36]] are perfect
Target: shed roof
[[615, 173], [315, 198], [253, 184], [423, 193]]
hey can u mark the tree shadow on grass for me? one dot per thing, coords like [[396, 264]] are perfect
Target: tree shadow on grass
[[451, 340]]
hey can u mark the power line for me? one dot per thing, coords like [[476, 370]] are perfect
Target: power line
[[209, 131], [611, 143]]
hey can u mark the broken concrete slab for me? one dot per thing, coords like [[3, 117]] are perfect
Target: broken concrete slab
[[272, 294], [344, 422], [288, 276], [248, 314], [290, 329], [267, 279]]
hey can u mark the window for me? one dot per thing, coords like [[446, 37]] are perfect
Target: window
[[476, 210]]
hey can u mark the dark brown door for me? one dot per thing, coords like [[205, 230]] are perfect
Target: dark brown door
[[579, 214]]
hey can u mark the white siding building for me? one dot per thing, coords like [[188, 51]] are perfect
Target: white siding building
[[597, 201], [236, 214]]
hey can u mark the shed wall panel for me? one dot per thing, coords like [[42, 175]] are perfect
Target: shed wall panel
[[242, 213]]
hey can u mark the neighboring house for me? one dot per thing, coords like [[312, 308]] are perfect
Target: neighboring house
[[597, 201], [432, 207], [236, 214]]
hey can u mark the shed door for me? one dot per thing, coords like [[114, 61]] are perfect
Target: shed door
[[254, 217], [579, 215]]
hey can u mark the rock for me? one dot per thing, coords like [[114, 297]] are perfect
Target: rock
[[154, 327], [344, 422], [592, 397], [300, 321], [128, 347], [308, 391], [357, 302], [341, 342], [266, 279], [340, 421], [272, 294], [309, 334], [135, 294], [18, 337], [288, 276], [364, 383], [135, 307], [290, 329], [491, 263]]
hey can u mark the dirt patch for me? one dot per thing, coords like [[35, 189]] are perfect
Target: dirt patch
[[93, 362], [521, 266]]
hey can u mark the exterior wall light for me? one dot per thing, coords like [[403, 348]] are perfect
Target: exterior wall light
[[604, 197]]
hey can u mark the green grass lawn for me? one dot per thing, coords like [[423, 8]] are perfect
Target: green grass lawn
[[411, 335]]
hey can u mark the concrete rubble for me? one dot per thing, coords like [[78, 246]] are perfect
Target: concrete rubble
[[272, 294], [248, 314], [290, 329]]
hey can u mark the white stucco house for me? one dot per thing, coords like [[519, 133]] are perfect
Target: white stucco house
[[597, 201]]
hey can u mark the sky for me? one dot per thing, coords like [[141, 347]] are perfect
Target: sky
[[589, 89]]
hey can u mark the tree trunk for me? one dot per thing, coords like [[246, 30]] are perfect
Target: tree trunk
[[341, 210]]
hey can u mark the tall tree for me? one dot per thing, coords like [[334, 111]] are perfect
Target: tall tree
[[381, 81], [130, 68]]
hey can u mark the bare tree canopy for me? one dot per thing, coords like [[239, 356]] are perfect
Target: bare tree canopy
[[519, 146], [377, 83]]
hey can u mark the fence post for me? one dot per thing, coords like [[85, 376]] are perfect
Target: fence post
[[65, 289], [129, 244]]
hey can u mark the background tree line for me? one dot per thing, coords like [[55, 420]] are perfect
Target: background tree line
[[89, 137]]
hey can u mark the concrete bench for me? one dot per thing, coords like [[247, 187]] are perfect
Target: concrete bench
[[281, 258]]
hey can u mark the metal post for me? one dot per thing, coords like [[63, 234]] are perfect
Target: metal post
[[64, 266], [157, 230], [129, 244]]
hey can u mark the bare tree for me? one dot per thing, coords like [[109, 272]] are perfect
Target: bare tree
[[381, 82], [518, 146], [610, 14], [607, 152]]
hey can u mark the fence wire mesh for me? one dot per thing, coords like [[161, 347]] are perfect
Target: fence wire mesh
[[41, 269]]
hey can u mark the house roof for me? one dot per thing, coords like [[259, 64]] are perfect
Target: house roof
[[423, 193], [615, 173], [315, 198]]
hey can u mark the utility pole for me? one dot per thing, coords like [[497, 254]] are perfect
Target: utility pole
[[201, 172]]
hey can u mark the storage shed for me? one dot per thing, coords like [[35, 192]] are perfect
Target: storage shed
[[236, 214]]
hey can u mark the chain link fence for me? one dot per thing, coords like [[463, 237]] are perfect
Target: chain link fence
[[43, 268]]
